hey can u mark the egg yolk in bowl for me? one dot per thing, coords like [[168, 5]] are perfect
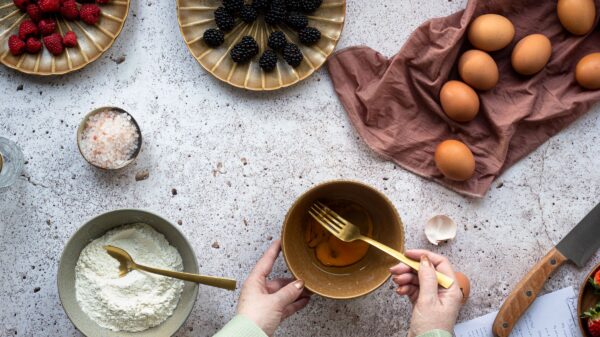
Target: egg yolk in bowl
[[331, 251]]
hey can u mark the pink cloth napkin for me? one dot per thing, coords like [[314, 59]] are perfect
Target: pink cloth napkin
[[394, 102]]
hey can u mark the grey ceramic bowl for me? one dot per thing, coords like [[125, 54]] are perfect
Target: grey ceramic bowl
[[97, 227], [83, 123]]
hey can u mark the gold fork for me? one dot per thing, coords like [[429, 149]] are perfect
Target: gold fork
[[347, 232]]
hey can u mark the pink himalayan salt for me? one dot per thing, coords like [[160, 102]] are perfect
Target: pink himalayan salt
[[109, 139]]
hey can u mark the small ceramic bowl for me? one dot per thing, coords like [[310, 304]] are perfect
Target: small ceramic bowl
[[97, 227], [587, 299], [96, 111], [354, 280]]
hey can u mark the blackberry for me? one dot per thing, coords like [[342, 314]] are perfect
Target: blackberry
[[261, 5], [309, 6], [292, 55], [213, 37], [268, 60], [277, 12], [245, 50], [233, 6], [277, 40], [225, 21], [309, 36], [293, 5], [296, 21], [248, 14]]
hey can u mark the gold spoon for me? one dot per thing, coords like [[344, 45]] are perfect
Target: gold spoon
[[126, 264]]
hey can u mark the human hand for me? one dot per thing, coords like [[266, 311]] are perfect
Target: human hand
[[268, 302], [433, 307]]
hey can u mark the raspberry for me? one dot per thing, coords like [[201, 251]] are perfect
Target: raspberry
[[47, 26], [53, 43], [49, 6], [27, 29], [69, 10], [21, 4], [34, 12], [16, 45], [89, 13], [70, 39], [34, 45]]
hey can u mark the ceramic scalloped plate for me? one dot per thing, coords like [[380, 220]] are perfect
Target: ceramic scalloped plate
[[196, 16], [93, 40], [587, 299]]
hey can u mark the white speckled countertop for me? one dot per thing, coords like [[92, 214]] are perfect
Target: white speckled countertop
[[238, 159]]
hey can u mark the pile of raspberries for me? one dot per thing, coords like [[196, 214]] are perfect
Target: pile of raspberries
[[292, 13], [41, 24]]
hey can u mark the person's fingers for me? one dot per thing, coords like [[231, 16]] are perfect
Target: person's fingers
[[264, 266], [441, 263], [274, 285], [404, 279], [400, 268], [413, 295], [428, 286], [292, 308], [290, 293], [407, 289]]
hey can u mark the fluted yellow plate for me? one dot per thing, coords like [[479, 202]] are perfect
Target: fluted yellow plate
[[93, 41], [196, 16]]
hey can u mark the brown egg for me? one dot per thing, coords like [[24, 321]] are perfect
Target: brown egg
[[491, 32], [459, 101], [454, 160], [531, 54], [478, 69], [587, 71], [577, 16], [464, 284]]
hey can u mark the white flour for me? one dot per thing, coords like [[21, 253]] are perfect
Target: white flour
[[139, 300]]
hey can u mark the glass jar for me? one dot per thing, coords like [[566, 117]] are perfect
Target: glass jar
[[11, 162]]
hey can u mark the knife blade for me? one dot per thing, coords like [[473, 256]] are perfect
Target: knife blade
[[578, 247]]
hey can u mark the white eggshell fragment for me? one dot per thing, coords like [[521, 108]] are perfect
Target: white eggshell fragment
[[440, 228]]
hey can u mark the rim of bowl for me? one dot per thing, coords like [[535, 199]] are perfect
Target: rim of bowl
[[96, 111], [582, 288], [332, 182], [60, 266]]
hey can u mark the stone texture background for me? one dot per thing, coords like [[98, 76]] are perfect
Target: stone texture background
[[238, 159]]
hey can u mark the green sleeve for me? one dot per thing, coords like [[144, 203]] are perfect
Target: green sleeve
[[240, 326], [436, 333]]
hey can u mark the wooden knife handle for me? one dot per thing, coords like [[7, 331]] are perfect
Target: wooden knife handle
[[525, 293]]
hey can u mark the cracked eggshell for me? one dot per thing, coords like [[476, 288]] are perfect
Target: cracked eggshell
[[440, 228]]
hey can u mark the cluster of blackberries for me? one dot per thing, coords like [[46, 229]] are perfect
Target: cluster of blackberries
[[277, 42], [292, 13]]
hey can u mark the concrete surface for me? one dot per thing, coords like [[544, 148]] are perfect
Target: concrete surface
[[238, 159]]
